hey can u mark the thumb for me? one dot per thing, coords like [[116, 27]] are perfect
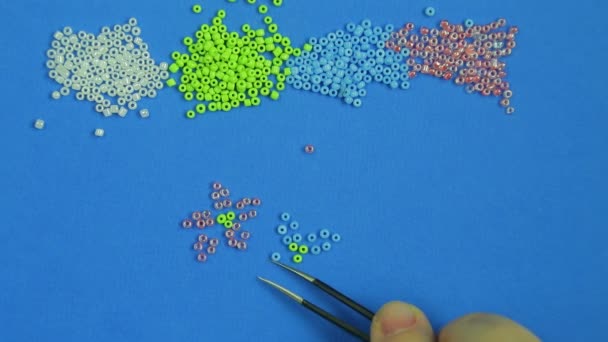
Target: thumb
[[400, 322]]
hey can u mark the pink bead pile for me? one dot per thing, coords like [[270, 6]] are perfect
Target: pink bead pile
[[471, 56], [234, 236]]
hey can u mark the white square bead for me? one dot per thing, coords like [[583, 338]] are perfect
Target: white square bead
[[144, 113], [39, 124], [99, 132]]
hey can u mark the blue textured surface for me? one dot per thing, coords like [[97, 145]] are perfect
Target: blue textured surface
[[441, 199]]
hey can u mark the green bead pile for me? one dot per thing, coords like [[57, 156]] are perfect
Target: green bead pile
[[225, 70]]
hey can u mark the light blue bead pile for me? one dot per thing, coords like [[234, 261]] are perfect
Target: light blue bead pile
[[343, 63]]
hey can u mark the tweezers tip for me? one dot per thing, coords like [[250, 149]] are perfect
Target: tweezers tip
[[291, 269]]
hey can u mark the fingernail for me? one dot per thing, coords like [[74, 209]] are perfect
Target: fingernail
[[397, 318]]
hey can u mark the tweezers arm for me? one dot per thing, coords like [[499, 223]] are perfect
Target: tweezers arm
[[349, 302], [345, 326]]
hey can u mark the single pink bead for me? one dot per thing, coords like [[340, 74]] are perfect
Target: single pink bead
[[200, 224], [211, 250], [201, 257], [310, 149], [247, 200], [225, 192], [256, 201], [242, 245], [210, 222], [203, 238], [240, 205], [236, 226], [218, 205], [232, 242], [187, 224], [215, 195], [206, 214], [229, 233], [198, 246], [196, 215], [245, 235], [214, 242], [253, 213], [227, 203], [243, 217], [216, 186]]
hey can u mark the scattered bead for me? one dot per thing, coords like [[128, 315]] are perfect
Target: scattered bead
[[232, 242], [275, 256], [297, 258], [287, 240], [294, 225], [198, 246], [245, 235], [229, 234], [230, 216], [216, 186], [293, 247], [315, 250], [187, 224], [281, 229], [241, 245], [201, 257], [99, 132], [243, 217], [221, 218], [285, 217], [312, 237], [326, 246], [206, 214], [256, 202], [197, 9], [236, 226], [200, 224], [197, 215], [297, 237], [214, 242], [310, 149], [303, 249], [253, 213], [39, 124], [211, 250], [429, 11], [324, 233], [228, 224], [336, 237], [144, 113], [203, 238]]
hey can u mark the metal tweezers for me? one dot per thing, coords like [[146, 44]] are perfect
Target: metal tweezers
[[332, 292]]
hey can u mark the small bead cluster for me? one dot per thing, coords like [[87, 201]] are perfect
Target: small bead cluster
[[470, 54], [343, 63], [115, 64], [231, 220], [322, 241], [224, 70]]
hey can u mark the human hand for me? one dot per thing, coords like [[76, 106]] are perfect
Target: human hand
[[402, 322]]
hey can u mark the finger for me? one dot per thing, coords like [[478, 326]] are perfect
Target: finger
[[400, 322], [485, 327]]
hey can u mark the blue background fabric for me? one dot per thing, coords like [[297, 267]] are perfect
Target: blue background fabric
[[441, 199]]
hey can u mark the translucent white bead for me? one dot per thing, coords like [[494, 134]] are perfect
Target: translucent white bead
[[144, 113], [132, 105], [122, 112], [99, 132], [56, 95], [107, 112], [39, 124], [64, 91], [136, 31], [163, 66], [67, 30], [132, 21]]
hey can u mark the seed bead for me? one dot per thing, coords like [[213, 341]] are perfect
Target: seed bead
[[201, 257], [324, 233], [285, 217], [315, 250], [275, 257], [326, 246], [297, 258], [309, 149], [214, 242], [241, 245], [312, 237], [211, 250], [281, 229], [297, 237], [303, 249], [187, 224], [203, 238], [230, 215], [287, 240], [294, 225], [293, 246], [221, 219]]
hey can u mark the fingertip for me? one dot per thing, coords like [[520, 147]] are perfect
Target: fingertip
[[400, 322], [481, 327]]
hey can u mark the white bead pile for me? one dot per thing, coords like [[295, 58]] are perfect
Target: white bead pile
[[113, 69]]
